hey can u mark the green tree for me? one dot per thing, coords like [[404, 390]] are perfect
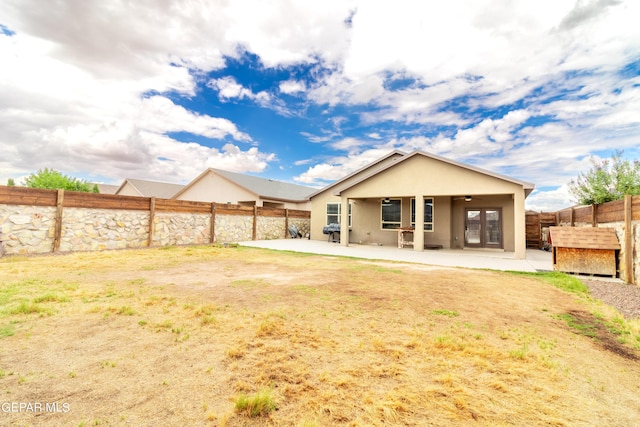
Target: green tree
[[11, 182], [54, 180], [608, 180]]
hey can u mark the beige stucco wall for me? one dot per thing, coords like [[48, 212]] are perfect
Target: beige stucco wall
[[128, 190], [367, 219], [427, 177], [318, 203], [214, 188]]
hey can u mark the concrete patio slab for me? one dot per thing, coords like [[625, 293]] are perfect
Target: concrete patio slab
[[536, 260]]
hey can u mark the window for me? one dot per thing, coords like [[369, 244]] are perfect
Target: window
[[334, 211], [391, 213], [428, 213]]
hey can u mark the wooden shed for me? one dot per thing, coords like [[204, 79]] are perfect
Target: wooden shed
[[585, 250]]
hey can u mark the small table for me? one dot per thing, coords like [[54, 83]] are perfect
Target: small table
[[402, 232]]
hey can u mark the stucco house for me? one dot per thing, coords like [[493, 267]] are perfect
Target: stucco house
[[215, 185], [146, 188], [424, 201]]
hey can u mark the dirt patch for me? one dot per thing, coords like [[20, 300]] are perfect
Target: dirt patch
[[175, 336], [589, 325]]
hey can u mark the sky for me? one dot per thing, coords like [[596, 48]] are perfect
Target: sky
[[309, 91]]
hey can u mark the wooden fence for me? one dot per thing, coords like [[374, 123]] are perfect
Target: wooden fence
[[61, 199], [623, 212]]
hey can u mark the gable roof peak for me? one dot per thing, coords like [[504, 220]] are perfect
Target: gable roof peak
[[148, 188], [356, 172], [266, 188]]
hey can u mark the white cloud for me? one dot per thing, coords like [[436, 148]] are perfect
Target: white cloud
[[161, 115], [549, 200], [325, 137], [228, 88], [76, 79], [493, 52], [74, 74], [292, 86], [348, 144], [285, 32], [338, 167], [64, 105]]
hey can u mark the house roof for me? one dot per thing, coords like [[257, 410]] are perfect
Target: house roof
[[584, 237], [342, 180], [528, 187], [163, 190], [262, 187]]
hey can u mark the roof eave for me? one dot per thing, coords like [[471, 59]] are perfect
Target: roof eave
[[280, 199], [327, 187]]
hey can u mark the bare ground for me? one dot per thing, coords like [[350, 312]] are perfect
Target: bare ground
[[173, 337]]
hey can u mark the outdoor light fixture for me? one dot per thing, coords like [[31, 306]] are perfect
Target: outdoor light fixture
[[467, 198], [386, 200]]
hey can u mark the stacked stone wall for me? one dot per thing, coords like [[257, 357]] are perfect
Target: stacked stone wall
[[181, 229], [233, 228], [26, 229], [31, 229], [99, 229], [270, 228]]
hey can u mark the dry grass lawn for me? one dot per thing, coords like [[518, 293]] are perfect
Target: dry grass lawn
[[208, 336]]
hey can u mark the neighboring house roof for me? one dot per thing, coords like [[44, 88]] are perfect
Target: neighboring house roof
[[262, 187], [107, 188], [163, 190], [528, 187], [584, 237]]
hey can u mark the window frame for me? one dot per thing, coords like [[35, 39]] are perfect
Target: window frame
[[339, 214], [426, 223], [392, 225]]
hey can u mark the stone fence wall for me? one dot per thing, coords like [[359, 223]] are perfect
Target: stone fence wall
[[38, 228]]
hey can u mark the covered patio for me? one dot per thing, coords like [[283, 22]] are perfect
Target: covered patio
[[432, 201]]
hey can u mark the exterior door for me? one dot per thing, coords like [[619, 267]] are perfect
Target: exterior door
[[483, 228]]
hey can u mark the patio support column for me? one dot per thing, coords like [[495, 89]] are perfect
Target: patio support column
[[519, 227], [344, 221], [418, 233]]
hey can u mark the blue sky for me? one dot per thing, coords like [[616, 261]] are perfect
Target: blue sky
[[309, 91]]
